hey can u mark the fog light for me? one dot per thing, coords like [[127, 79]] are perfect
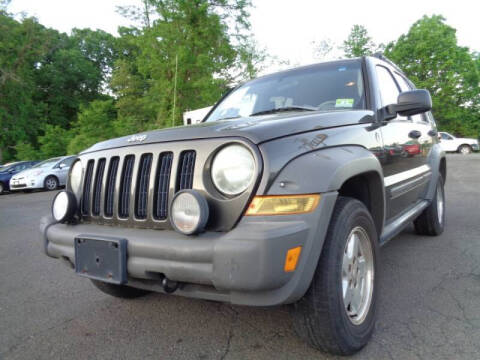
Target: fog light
[[189, 212], [64, 206]]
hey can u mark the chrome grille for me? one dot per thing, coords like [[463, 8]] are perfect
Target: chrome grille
[[110, 184]]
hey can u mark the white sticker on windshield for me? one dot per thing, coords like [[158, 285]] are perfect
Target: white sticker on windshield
[[344, 103]]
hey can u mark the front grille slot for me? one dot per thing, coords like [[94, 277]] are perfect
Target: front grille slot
[[86, 188], [97, 187], [110, 187], [186, 168], [162, 182], [143, 180], [125, 185]]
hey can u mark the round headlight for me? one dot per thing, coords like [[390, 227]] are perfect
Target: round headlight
[[63, 206], [233, 169], [76, 177], [189, 212]]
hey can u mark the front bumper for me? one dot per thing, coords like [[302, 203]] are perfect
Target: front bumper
[[475, 147], [242, 266], [25, 184]]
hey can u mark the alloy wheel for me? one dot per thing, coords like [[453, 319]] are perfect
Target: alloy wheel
[[357, 275]]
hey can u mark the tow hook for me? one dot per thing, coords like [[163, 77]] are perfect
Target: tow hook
[[169, 286]]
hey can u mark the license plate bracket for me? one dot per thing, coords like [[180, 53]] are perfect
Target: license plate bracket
[[101, 258]]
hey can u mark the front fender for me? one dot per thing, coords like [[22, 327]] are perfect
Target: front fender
[[322, 171]]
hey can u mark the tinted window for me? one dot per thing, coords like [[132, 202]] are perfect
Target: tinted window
[[325, 87], [388, 88], [445, 136], [47, 163]]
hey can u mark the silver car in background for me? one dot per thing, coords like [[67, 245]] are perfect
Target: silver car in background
[[49, 175]]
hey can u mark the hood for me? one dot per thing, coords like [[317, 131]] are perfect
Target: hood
[[26, 172], [258, 130]]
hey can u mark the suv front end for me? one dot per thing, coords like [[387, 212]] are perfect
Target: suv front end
[[248, 251]]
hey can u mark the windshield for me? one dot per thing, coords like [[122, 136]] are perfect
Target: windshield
[[47, 163], [331, 86]]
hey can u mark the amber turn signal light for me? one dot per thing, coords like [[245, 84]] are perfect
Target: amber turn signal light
[[283, 204], [292, 258]]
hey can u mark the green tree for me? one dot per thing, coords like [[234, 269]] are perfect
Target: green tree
[[94, 124], [26, 151], [45, 76], [188, 55], [54, 141], [359, 43], [430, 56]]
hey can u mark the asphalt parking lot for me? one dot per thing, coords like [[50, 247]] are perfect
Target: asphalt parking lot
[[429, 304]]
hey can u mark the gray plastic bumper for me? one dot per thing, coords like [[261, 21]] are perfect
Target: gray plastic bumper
[[242, 266]]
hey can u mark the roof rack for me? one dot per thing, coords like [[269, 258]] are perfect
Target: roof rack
[[379, 55]]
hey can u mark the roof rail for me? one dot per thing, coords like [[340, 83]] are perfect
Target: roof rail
[[379, 55]]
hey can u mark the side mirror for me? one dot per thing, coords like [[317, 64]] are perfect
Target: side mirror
[[409, 103], [62, 166], [413, 102]]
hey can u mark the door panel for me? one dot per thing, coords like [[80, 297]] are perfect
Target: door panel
[[406, 145]]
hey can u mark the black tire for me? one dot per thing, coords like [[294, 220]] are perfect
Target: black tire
[[320, 317], [119, 291], [51, 183], [432, 220], [2, 188], [465, 149]]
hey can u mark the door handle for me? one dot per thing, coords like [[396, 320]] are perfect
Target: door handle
[[414, 134], [433, 133]]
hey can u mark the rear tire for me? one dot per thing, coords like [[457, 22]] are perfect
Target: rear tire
[[51, 183], [2, 188], [465, 149], [432, 220], [119, 291], [329, 317]]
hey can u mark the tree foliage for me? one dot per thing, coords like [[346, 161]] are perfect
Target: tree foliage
[[60, 93], [170, 64], [45, 76], [432, 59], [94, 124], [359, 43]]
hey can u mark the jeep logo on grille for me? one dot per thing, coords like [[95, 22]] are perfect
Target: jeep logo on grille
[[138, 138]]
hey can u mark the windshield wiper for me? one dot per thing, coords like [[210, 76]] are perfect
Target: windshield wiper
[[286, 108]]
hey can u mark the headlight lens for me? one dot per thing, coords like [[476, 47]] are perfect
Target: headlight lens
[[76, 177], [233, 169], [189, 213], [64, 206]]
